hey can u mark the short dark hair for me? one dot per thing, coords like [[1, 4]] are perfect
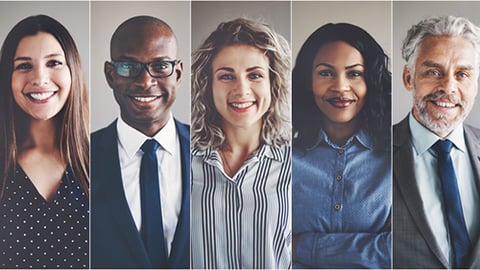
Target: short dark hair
[[376, 112]]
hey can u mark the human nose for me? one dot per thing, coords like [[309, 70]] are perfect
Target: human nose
[[40, 76], [449, 84], [340, 83], [145, 80], [242, 87]]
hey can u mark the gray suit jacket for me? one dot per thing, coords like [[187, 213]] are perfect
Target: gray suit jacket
[[414, 244]]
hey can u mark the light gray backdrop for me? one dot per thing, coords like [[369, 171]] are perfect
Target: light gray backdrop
[[374, 17], [405, 14], [73, 15], [106, 16], [206, 16]]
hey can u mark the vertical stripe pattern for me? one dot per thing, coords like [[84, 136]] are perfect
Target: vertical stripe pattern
[[244, 221]]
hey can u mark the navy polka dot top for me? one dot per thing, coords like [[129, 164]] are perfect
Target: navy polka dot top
[[36, 233]]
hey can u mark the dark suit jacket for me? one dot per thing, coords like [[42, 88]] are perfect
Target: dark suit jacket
[[414, 244], [115, 240]]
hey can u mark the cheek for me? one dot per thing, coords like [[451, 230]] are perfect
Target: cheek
[[18, 84]]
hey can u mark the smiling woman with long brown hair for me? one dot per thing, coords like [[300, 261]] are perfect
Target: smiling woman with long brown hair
[[44, 148]]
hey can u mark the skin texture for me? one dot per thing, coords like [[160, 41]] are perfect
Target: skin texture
[[41, 79], [144, 42], [444, 84], [339, 88], [242, 95]]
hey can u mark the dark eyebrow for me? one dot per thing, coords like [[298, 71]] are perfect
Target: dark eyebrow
[[27, 58], [229, 69], [133, 59], [22, 58], [332, 67]]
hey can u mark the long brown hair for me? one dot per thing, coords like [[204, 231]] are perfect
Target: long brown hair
[[73, 118]]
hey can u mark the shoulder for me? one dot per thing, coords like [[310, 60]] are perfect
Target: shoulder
[[104, 136], [472, 131], [183, 129]]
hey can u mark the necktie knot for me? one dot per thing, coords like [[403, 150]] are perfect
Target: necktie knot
[[443, 146], [150, 146]]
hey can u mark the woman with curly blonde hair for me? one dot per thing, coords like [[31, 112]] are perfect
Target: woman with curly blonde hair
[[241, 160]]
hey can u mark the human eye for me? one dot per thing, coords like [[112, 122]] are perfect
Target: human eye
[[225, 77], [432, 73], [24, 66], [255, 75], [54, 63], [325, 73], [463, 75], [159, 66], [355, 73]]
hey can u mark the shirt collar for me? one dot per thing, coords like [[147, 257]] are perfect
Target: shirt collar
[[423, 139], [265, 151], [131, 139], [360, 136]]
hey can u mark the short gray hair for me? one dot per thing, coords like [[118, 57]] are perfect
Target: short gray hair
[[438, 26]]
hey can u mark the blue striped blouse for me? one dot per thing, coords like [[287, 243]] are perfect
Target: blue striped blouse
[[244, 221]]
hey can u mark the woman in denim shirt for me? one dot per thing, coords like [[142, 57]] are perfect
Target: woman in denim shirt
[[341, 158]]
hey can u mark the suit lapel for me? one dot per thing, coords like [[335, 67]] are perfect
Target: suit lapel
[[117, 204], [472, 138], [405, 180], [179, 256]]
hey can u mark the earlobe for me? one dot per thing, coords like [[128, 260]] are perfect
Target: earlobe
[[108, 70], [407, 78]]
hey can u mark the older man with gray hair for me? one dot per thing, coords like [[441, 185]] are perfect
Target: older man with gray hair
[[436, 157]]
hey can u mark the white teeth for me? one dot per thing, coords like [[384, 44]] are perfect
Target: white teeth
[[41, 96], [445, 104], [241, 105], [145, 99]]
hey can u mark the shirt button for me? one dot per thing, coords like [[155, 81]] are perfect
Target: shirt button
[[340, 151], [337, 206], [338, 178]]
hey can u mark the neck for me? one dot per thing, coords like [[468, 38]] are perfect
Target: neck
[[242, 140], [42, 135], [339, 133], [239, 145]]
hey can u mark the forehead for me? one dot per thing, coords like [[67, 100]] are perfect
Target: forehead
[[144, 42], [240, 55], [338, 51], [445, 50], [40, 44]]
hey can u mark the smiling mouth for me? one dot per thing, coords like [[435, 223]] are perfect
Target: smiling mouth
[[339, 102], [41, 96], [444, 104], [145, 99], [242, 105]]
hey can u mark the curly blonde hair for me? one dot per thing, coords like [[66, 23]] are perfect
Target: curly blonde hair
[[206, 121]]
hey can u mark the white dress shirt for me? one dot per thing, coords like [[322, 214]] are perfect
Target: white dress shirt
[[169, 171], [429, 183]]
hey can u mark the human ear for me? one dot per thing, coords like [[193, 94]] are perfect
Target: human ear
[[108, 70], [407, 78]]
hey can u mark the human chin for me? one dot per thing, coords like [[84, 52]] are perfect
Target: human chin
[[436, 121]]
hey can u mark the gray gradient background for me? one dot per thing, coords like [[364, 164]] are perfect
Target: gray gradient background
[[73, 15], [106, 16], [405, 14], [207, 15]]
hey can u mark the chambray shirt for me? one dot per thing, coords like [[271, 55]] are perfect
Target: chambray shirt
[[341, 197]]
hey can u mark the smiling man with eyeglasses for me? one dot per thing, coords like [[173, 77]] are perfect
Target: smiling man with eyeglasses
[[140, 164]]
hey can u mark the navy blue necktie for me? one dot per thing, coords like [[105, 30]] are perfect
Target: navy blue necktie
[[459, 240], [152, 226]]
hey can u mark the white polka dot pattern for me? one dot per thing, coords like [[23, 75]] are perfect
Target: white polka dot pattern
[[35, 233]]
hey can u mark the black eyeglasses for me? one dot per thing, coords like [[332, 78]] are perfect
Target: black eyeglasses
[[156, 69]]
